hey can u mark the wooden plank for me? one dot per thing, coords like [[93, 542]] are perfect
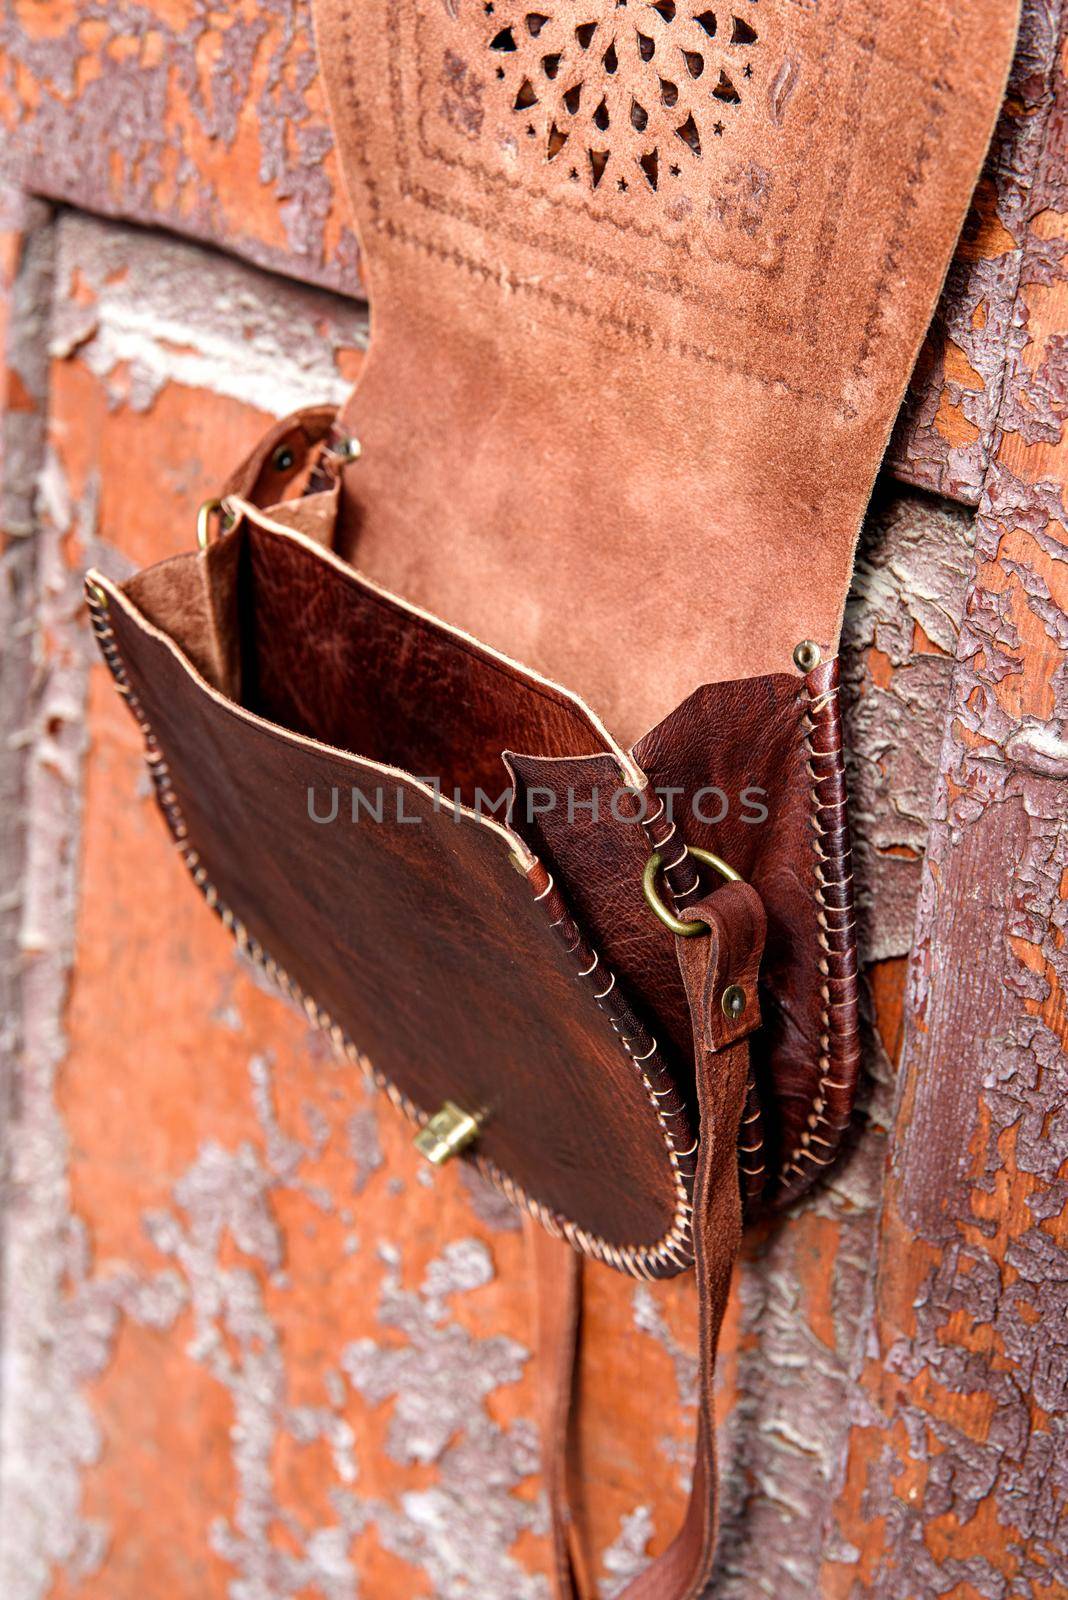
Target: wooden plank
[[954, 1480], [207, 122], [947, 435]]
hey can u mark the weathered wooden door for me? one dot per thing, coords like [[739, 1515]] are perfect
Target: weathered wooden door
[[252, 1348]]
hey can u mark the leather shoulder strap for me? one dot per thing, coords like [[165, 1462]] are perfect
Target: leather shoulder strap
[[720, 974]]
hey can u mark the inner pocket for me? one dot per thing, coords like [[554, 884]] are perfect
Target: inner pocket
[[304, 642]]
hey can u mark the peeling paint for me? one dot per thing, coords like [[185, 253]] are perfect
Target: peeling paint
[[143, 312], [438, 1381], [910, 578], [59, 1339], [628, 1555], [365, 1147], [961, 1468], [174, 117], [228, 1194], [946, 438]]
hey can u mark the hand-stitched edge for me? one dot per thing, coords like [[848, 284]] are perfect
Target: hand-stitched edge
[[671, 1254], [641, 1048], [839, 1041], [684, 881]]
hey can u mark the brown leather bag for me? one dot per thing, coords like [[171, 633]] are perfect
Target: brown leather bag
[[647, 287]]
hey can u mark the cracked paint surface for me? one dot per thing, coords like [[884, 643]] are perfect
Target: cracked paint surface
[[141, 318], [26, 264], [946, 437], [439, 1380], [207, 121], [899, 642], [955, 1484]]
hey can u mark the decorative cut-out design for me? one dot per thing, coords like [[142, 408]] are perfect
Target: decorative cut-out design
[[635, 90]]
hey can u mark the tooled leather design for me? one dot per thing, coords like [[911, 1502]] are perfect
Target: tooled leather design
[[653, 122], [669, 1253], [638, 107], [566, 472]]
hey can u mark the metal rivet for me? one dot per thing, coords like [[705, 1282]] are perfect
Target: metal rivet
[[283, 458], [348, 449], [734, 1001], [96, 593], [807, 656]]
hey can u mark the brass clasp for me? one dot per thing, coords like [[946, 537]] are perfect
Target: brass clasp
[[449, 1131]]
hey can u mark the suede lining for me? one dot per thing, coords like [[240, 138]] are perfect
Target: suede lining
[[627, 432]]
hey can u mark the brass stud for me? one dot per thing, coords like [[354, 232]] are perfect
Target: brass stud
[[449, 1131], [346, 449], [807, 656], [96, 594], [734, 1000]]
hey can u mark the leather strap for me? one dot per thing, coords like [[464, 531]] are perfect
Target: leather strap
[[557, 1274], [729, 955]]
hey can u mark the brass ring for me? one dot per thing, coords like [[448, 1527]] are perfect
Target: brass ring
[[684, 930], [206, 511]]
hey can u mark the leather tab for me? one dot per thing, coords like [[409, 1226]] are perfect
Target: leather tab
[[737, 927], [284, 458]]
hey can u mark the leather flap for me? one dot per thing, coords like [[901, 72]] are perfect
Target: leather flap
[[647, 283]]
